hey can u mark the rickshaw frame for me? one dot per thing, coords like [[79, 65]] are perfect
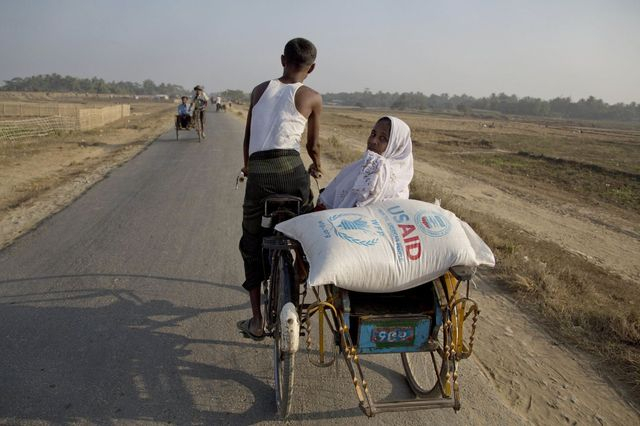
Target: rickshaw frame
[[194, 124]]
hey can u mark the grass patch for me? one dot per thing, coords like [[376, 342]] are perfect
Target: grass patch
[[340, 152], [589, 180]]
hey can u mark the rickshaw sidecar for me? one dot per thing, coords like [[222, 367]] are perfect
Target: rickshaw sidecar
[[191, 125], [423, 324], [404, 321]]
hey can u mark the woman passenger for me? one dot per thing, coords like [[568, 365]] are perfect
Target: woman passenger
[[384, 171]]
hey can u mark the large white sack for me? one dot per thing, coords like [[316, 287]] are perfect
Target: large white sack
[[388, 246]]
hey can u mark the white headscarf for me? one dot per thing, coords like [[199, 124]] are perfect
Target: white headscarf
[[375, 177]]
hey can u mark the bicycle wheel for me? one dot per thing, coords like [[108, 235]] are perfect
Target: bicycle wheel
[[283, 361], [199, 127], [426, 372]]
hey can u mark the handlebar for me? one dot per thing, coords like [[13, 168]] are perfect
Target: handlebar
[[240, 178]]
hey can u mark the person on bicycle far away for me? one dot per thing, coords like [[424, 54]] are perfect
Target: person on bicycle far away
[[279, 111], [199, 105], [184, 112]]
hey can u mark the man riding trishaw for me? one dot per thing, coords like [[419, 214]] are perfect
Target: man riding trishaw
[[199, 104]]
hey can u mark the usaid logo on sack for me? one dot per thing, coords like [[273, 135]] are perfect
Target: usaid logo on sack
[[434, 224], [356, 228]]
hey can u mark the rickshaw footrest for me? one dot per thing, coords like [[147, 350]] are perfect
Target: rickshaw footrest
[[412, 404]]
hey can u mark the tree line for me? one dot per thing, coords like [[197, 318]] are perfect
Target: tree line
[[564, 107], [57, 83], [235, 96]]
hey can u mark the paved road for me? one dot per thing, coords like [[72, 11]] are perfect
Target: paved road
[[122, 309]]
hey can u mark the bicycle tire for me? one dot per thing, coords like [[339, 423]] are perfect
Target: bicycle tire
[[199, 128], [197, 125], [284, 362], [426, 371]]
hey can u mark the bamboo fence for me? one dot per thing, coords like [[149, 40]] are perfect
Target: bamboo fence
[[46, 119]]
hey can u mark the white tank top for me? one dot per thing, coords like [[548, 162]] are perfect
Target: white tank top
[[275, 121]]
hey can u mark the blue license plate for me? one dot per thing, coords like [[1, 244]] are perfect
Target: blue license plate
[[389, 335], [393, 335]]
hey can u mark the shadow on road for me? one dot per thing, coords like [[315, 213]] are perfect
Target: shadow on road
[[128, 359], [115, 361]]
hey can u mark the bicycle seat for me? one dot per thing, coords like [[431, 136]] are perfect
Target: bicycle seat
[[279, 207], [282, 199], [277, 201], [463, 273]]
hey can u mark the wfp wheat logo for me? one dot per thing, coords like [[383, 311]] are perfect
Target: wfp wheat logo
[[433, 224], [355, 228]]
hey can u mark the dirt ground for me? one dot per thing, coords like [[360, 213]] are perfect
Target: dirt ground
[[41, 176]]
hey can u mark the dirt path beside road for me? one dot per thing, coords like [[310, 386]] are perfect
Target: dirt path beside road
[[607, 240]]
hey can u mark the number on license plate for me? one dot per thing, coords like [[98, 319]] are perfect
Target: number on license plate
[[392, 335]]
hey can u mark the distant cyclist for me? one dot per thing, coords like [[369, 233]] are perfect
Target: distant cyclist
[[199, 105]]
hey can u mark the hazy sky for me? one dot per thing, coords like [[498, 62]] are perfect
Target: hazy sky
[[541, 48]]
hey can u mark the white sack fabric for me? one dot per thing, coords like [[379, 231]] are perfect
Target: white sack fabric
[[388, 246], [375, 177]]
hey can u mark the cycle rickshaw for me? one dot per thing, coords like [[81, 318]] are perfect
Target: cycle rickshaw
[[194, 123], [425, 325]]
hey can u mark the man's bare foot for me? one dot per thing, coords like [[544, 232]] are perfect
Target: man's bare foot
[[251, 328]]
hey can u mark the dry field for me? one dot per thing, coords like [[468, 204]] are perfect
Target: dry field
[[41, 175], [558, 202]]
